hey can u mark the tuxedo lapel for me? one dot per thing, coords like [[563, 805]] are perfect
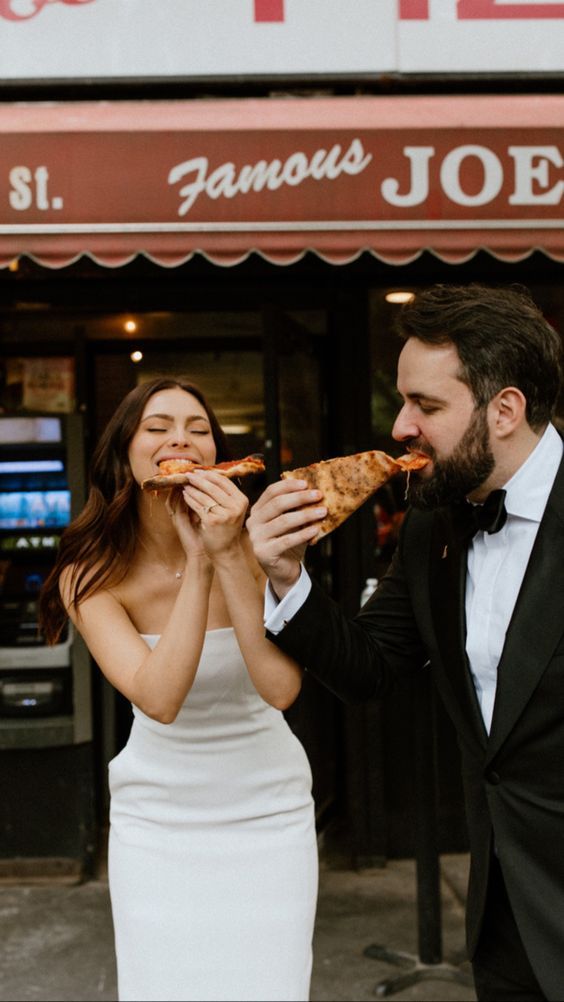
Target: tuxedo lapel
[[447, 590], [537, 622]]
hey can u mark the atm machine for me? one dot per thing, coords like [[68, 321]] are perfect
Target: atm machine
[[47, 813]]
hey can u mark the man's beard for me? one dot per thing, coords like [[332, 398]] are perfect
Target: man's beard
[[468, 466]]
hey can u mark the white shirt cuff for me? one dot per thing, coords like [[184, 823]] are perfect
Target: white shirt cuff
[[278, 614]]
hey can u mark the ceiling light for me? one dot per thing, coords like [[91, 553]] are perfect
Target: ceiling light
[[136, 356], [236, 429], [130, 326], [399, 296]]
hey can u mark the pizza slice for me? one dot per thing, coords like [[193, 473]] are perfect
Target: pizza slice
[[174, 471], [347, 481]]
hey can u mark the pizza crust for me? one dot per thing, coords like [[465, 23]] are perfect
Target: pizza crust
[[347, 481]]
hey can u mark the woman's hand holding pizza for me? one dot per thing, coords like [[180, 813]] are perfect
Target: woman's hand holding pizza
[[186, 525], [218, 508], [280, 528]]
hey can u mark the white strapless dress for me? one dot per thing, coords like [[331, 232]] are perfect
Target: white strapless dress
[[212, 854]]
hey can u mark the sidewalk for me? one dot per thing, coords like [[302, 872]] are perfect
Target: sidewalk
[[56, 940]]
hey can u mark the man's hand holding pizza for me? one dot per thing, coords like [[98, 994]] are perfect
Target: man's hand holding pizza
[[283, 521], [312, 501]]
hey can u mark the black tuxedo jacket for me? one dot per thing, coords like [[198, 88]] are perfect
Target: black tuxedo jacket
[[513, 778]]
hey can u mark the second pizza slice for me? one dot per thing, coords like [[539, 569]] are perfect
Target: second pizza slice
[[347, 481]]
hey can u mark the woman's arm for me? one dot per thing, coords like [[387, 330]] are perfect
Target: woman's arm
[[276, 676], [158, 680]]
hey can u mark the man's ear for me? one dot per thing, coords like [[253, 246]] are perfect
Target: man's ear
[[507, 411]]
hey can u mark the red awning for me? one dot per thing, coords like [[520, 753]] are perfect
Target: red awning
[[394, 176]]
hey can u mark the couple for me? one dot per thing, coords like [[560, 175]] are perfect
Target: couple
[[212, 856]]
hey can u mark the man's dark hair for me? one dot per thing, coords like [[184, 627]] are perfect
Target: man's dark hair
[[501, 337]]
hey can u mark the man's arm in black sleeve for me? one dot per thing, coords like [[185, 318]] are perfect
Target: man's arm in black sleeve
[[360, 657]]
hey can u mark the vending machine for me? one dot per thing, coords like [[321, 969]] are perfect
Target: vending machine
[[46, 755]]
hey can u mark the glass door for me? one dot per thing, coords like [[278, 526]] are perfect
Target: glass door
[[296, 387]]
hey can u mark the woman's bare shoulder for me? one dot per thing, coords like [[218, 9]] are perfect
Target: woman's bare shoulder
[[76, 577], [67, 584]]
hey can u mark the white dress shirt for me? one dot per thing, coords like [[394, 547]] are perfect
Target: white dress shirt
[[496, 567], [277, 614]]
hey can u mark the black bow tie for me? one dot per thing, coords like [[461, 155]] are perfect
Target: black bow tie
[[489, 517]]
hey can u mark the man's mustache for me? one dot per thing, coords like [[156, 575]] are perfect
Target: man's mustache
[[421, 445]]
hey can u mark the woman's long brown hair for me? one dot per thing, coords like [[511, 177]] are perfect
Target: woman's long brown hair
[[99, 544]]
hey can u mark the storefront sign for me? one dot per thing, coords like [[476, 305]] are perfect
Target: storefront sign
[[194, 38], [48, 384], [221, 38], [230, 180], [480, 36], [392, 175], [23, 10]]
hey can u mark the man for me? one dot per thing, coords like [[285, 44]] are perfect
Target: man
[[480, 604]]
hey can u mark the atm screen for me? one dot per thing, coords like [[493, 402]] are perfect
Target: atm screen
[[30, 429], [34, 509], [38, 474]]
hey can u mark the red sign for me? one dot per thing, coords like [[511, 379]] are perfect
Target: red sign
[[390, 175], [13, 10], [479, 10], [414, 10], [482, 9], [269, 10]]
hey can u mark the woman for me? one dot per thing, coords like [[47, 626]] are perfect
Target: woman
[[212, 853]]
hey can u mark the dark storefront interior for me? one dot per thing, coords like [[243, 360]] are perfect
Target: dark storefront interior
[[299, 363]]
